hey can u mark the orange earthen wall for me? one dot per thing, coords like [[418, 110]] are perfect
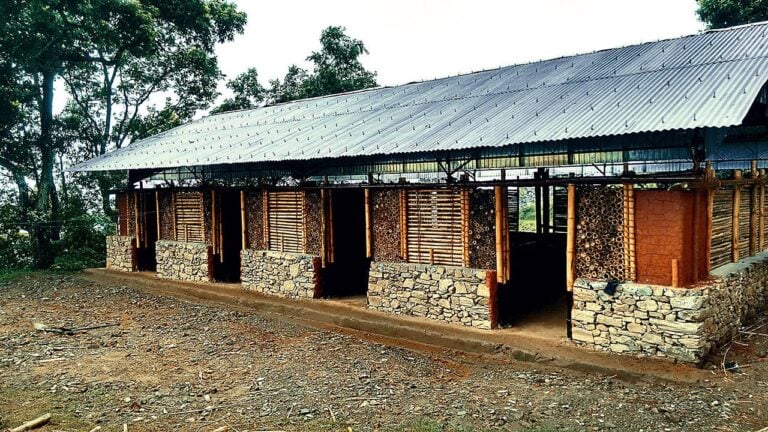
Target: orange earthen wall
[[664, 230]]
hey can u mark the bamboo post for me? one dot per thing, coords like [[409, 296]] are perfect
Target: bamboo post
[[368, 224], [431, 256], [753, 221], [710, 175], [243, 227], [675, 274], [570, 239], [157, 212], [735, 217], [498, 204]]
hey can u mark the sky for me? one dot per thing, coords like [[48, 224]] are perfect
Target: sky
[[411, 40]]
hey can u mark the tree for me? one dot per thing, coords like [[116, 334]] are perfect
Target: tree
[[337, 69], [728, 13], [48, 39], [248, 93]]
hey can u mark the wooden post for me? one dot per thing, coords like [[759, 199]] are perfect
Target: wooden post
[[735, 217], [696, 236], [331, 234], [243, 226], [710, 175], [753, 211], [431, 256], [498, 204], [368, 224], [157, 212], [570, 269], [136, 231], [545, 204], [629, 231], [537, 206], [675, 274]]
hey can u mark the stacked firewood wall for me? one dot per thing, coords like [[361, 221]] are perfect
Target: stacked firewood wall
[[600, 233], [254, 213]]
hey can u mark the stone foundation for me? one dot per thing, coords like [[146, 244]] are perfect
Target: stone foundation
[[680, 323], [183, 261], [121, 253], [282, 274], [451, 294]]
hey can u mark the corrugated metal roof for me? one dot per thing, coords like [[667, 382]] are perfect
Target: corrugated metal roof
[[703, 80]]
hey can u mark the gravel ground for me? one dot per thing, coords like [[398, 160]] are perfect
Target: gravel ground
[[172, 365]]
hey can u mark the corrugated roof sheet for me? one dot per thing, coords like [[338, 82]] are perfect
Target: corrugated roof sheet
[[703, 80]]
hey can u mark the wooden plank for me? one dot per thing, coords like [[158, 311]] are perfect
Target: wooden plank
[[675, 274], [368, 224], [735, 218], [499, 204], [243, 223], [157, 212], [136, 232]]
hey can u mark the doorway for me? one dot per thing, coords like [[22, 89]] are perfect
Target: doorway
[[347, 272], [148, 235], [226, 263]]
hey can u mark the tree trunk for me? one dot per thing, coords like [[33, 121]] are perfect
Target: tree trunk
[[46, 228]]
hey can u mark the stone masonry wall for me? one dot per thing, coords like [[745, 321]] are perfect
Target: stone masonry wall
[[121, 255], [282, 274], [183, 261], [451, 294], [679, 323]]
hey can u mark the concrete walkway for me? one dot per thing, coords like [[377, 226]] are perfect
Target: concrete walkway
[[525, 343]]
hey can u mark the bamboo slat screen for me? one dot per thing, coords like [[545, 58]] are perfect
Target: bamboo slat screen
[[189, 217], [722, 212], [434, 227], [513, 208], [744, 219], [286, 221], [559, 209]]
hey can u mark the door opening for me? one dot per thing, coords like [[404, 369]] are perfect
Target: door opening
[[347, 274], [226, 263], [145, 254]]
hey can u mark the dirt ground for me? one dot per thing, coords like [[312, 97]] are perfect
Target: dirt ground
[[173, 365]]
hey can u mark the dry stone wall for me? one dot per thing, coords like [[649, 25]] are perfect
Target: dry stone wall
[[121, 254], [183, 261], [678, 323], [451, 294], [282, 274]]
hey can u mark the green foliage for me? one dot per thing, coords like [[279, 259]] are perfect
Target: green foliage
[[337, 69], [247, 90], [15, 248], [728, 13], [83, 238]]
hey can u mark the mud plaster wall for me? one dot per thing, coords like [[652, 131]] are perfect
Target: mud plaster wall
[[482, 230], [599, 232], [313, 218], [664, 226], [166, 216], [254, 214], [385, 217]]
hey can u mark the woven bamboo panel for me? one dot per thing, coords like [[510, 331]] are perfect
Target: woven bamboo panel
[[722, 212], [744, 225], [599, 233], [513, 208], [189, 217], [434, 227], [286, 221]]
